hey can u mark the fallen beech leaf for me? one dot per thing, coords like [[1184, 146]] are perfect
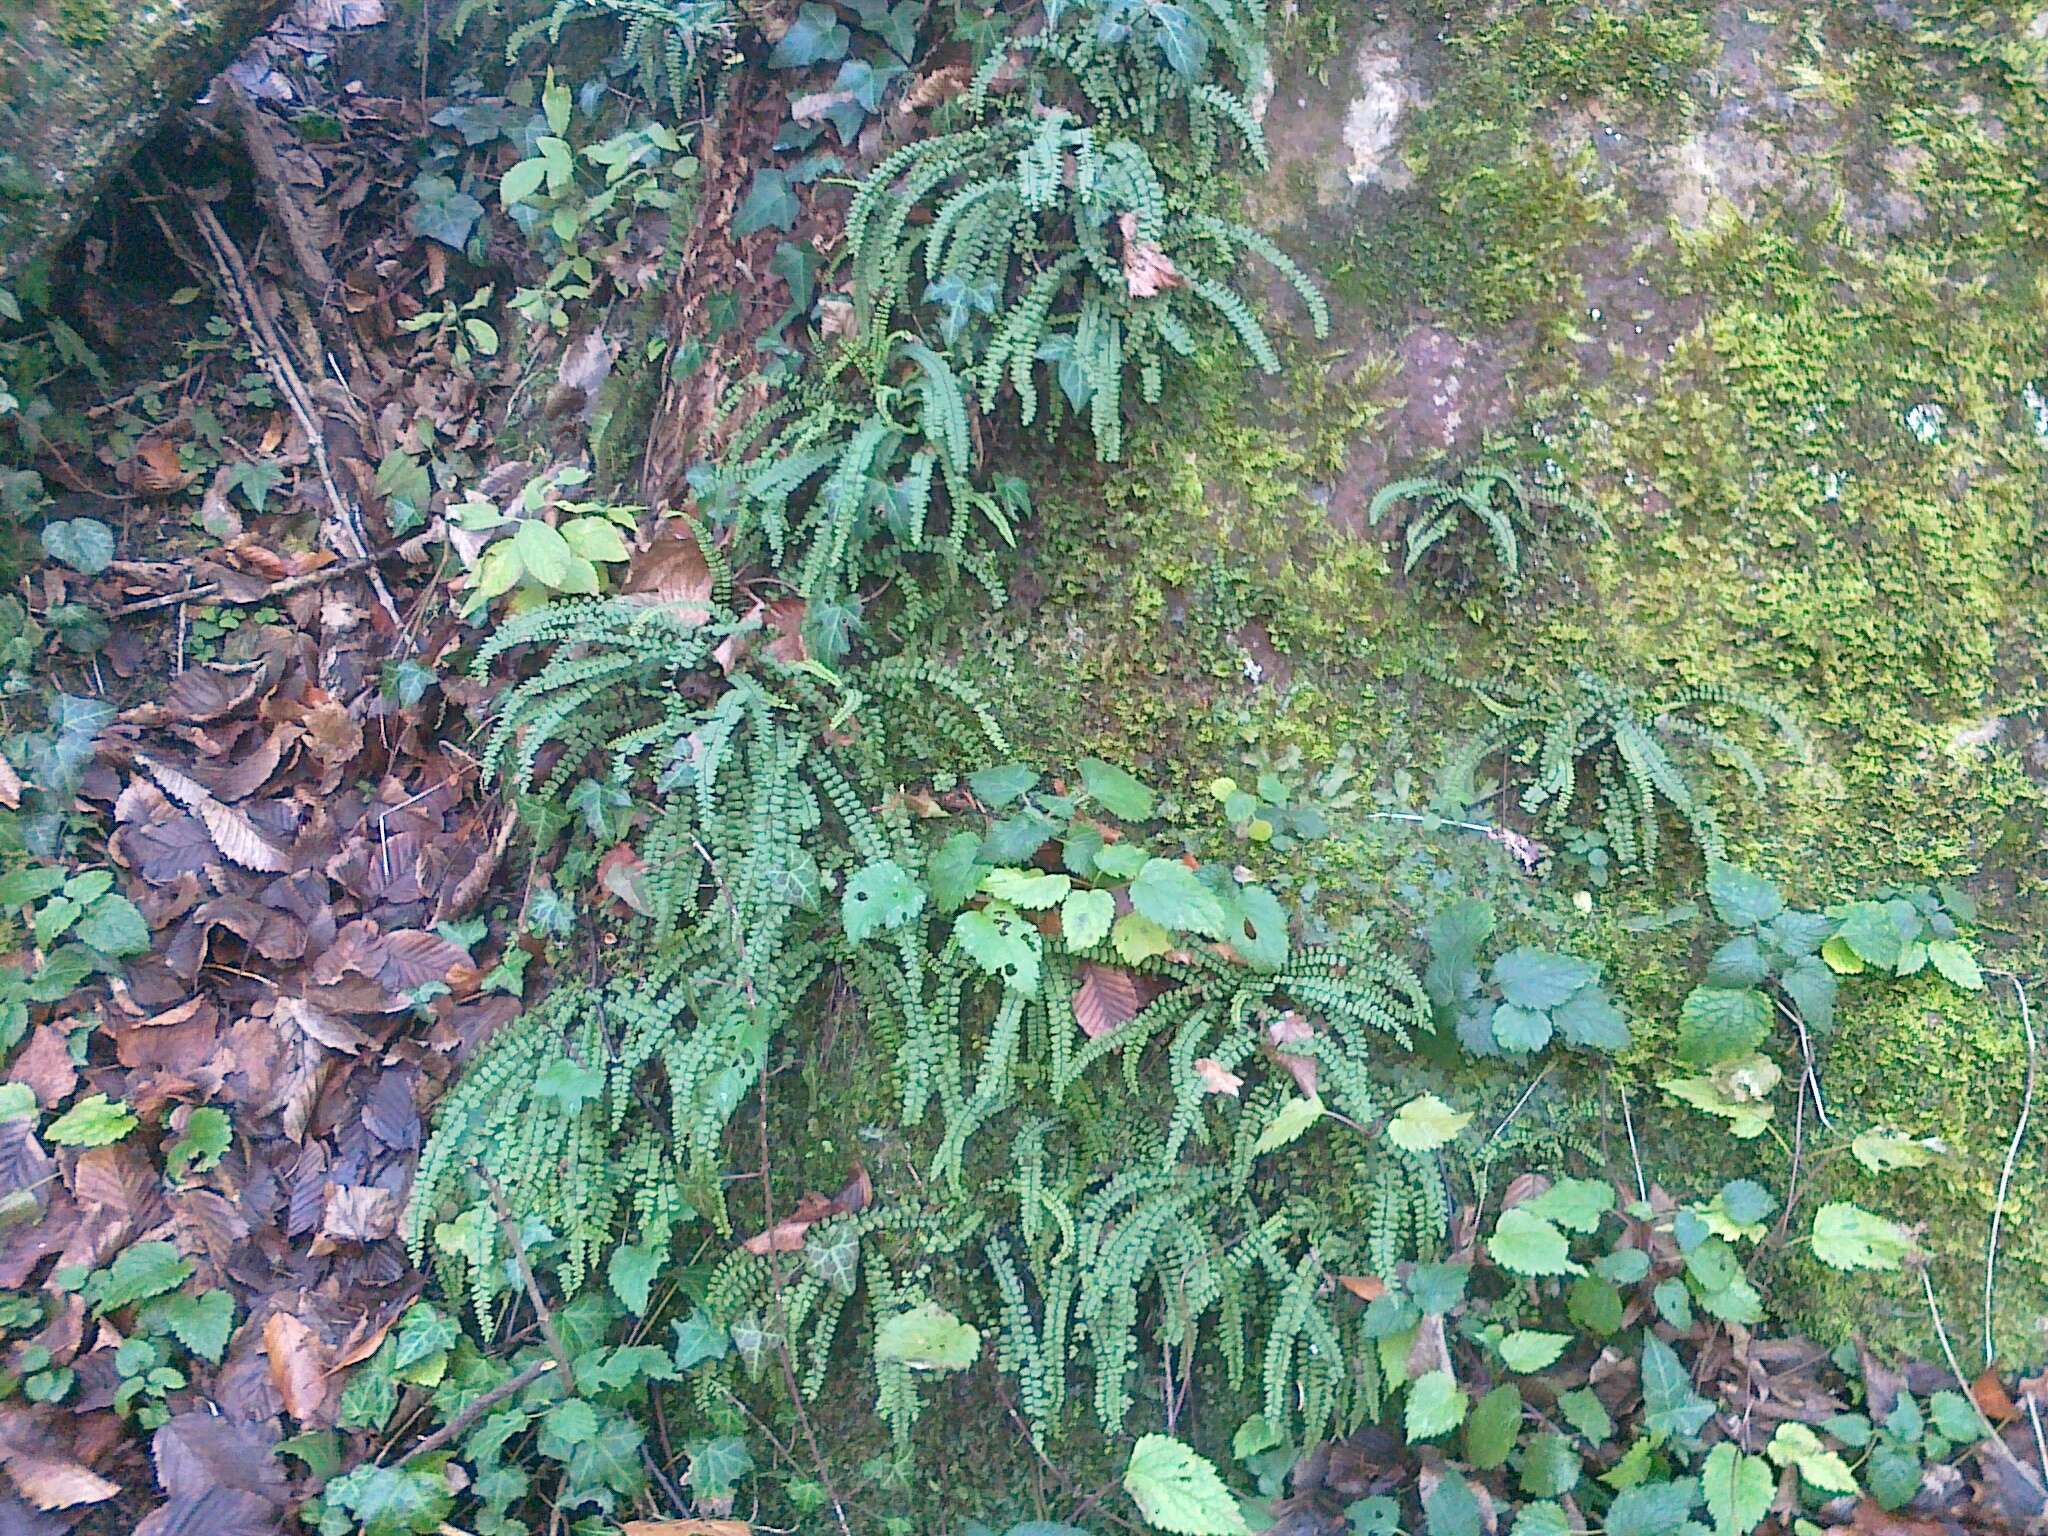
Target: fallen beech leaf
[[1107, 999], [157, 470], [787, 1235], [1993, 1401], [1148, 270], [672, 571], [49, 1482], [298, 1365], [44, 1064], [1217, 1078], [1286, 1030], [1364, 1287], [1523, 1186], [233, 833], [687, 1528], [358, 1214]]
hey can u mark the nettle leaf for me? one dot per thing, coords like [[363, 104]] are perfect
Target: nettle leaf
[[1952, 958], [928, 1338], [115, 927], [1436, 1406], [84, 543], [1671, 1408], [1577, 1204], [1718, 1024], [999, 940], [879, 896], [996, 787], [815, 37], [1883, 1151], [1537, 978], [1173, 896], [1795, 1445], [95, 1121], [140, 1271], [1288, 1124], [1849, 1237], [1031, 889], [1137, 938], [1653, 1509], [1423, 1124], [1589, 1020], [1548, 1467], [1451, 1508], [1523, 1243], [1741, 899], [1528, 1349], [1870, 931], [954, 873], [1086, 917], [1115, 790], [201, 1323], [1179, 1491], [1812, 987]]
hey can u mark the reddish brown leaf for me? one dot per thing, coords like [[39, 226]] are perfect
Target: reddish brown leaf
[[1287, 1029], [298, 1365], [1107, 999], [687, 1528], [1993, 1401], [1148, 270], [622, 873], [413, 957], [44, 1064], [1217, 1078], [672, 571], [156, 471], [1364, 1287]]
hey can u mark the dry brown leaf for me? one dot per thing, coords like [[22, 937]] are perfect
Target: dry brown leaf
[[1217, 1078], [233, 833], [1148, 271], [298, 1365], [157, 471], [50, 1482], [673, 571], [1107, 999], [787, 1235], [1364, 1287], [45, 1065], [10, 786], [687, 1528], [1523, 1186], [1287, 1029], [358, 1214], [1993, 1401]]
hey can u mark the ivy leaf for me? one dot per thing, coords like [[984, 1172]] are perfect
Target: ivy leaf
[[442, 211], [879, 896], [92, 1122], [1849, 1237], [716, 1466], [1288, 1124], [631, 1271], [84, 543], [1182, 41], [1741, 899], [1523, 1243], [392, 1501], [1738, 1490], [769, 204], [836, 1260], [1536, 978], [815, 37], [699, 1338], [928, 1338], [1671, 1408], [1179, 1491], [1718, 1024], [1436, 1406], [1423, 1124], [1529, 1349], [1085, 918], [254, 480], [1171, 894], [1115, 790], [1002, 943]]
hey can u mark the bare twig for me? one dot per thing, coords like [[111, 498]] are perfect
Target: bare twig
[[509, 1225], [1635, 1153], [1948, 1351], [1798, 1019], [276, 192], [456, 1427], [209, 591], [2012, 1153]]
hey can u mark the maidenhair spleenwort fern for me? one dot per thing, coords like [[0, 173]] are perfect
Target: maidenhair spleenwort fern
[[1506, 504], [1624, 749]]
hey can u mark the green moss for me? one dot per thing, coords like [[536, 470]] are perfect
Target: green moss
[[84, 23]]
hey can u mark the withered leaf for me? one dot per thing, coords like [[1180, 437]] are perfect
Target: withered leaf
[[1107, 999], [231, 830], [298, 1365], [1217, 1078]]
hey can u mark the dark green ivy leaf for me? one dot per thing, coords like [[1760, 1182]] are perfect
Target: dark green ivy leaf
[[815, 37]]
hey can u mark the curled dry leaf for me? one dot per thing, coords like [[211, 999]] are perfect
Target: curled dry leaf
[[672, 571], [10, 786], [298, 1365], [1217, 1078], [1364, 1287], [1284, 1031], [156, 471], [1107, 999], [1148, 271], [1523, 1186]]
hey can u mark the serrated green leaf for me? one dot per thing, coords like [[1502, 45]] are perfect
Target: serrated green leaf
[[202, 1322], [927, 1338], [1179, 1491], [1741, 899], [1436, 1406], [996, 787], [1848, 1237], [1086, 918], [1288, 1124], [1491, 1428], [1952, 958], [1795, 1445], [1137, 938], [1033, 890], [1539, 979], [1738, 1490], [999, 940], [1425, 1123], [1173, 896], [1718, 1024], [1528, 1349], [1575, 1204], [1115, 790], [1523, 1243], [94, 1121]]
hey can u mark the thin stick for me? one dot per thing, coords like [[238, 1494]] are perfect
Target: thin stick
[[2012, 1154], [210, 590], [457, 1426], [1963, 1382], [1798, 1019], [510, 1227], [1635, 1154], [2040, 1441]]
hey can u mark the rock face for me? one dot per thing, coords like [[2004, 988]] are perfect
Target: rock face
[[83, 83]]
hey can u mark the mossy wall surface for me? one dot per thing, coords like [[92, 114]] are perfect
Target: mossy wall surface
[[1767, 286]]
